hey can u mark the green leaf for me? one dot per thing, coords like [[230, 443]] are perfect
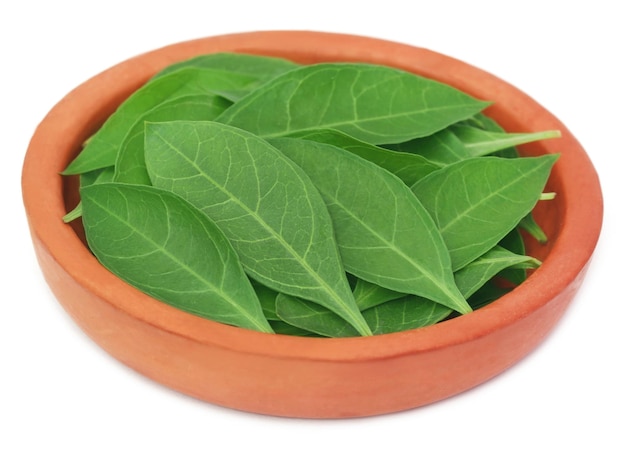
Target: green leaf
[[409, 312], [130, 165], [529, 224], [312, 317], [410, 168], [514, 242], [160, 244], [280, 327], [487, 294], [86, 179], [482, 121], [479, 142], [260, 68], [372, 103], [441, 148], [476, 202], [267, 298], [369, 295], [478, 272], [400, 314], [102, 148], [461, 141], [384, 234], [263, 202]]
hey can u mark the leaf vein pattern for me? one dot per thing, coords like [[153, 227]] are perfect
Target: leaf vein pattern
[[210, 286], [264, 225]]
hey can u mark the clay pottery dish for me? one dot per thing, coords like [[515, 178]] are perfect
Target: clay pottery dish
[[298, 376]]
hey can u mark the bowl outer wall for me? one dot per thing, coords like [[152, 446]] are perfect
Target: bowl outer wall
[[307, 377]]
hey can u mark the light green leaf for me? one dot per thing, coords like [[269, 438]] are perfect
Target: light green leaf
[[479, 142]]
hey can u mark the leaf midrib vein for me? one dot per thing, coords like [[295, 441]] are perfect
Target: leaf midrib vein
[[357, 123], [186, 267], [397, 250], [467, 211]]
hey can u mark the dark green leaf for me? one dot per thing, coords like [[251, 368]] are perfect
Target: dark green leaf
[[529, 224], [487, 294], [280, 327], [514, 242]]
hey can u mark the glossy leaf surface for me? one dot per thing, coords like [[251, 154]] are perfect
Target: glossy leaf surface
[[162, 245], [263, 202]]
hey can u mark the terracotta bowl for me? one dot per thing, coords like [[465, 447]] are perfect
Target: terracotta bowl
[[297, 376]]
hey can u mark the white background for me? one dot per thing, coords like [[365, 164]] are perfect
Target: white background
[[56, 386]]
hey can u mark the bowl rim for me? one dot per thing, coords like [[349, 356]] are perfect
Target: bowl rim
[[62, 129]]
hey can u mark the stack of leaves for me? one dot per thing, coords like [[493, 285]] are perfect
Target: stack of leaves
[[335, 199]]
